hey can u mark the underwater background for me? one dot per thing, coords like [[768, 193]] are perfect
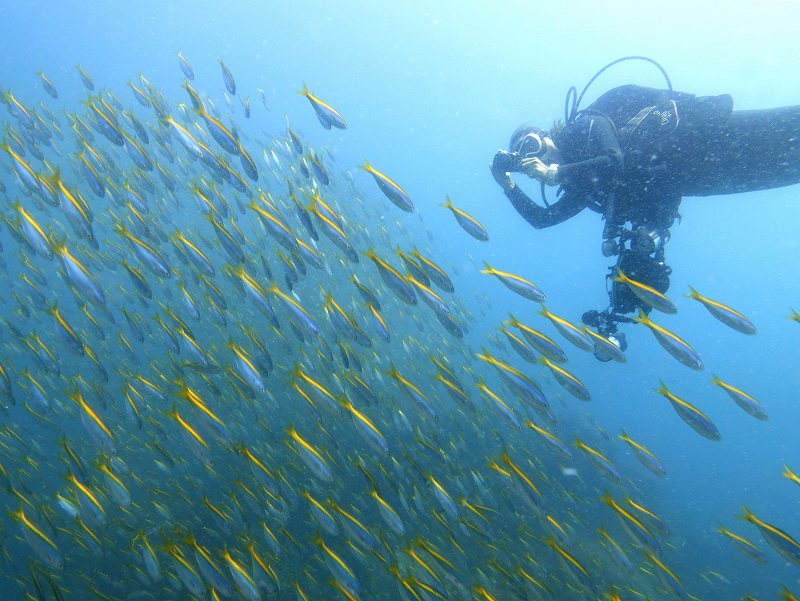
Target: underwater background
[[115, 485]]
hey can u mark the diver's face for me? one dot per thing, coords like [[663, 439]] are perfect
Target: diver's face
[[532, 145], [550, 154], [541, 147]]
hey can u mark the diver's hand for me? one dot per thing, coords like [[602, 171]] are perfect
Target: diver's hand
[[500, 166], [535, 168]]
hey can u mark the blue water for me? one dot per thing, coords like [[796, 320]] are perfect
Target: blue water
[[429, 94]]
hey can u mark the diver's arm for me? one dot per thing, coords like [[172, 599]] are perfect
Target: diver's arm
[[603, 167], [539, 217], [567, 206]]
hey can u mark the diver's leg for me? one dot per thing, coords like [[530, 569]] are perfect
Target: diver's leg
[[753, 150]]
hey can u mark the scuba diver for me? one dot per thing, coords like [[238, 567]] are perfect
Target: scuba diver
[[631, 156]]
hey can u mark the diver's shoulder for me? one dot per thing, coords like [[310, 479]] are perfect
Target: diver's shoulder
[[629, 92]]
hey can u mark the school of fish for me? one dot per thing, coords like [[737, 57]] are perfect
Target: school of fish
[[219, 375]]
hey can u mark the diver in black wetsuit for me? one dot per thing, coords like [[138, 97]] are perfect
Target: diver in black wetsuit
[[631, 156]]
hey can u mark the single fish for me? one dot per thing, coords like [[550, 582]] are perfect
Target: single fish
[[469, 224], [569, 331], [698, 421], [747, 548], [520, 285], [186, 67], [785, 545], [671, 343], [644, 455], [48, 85], [744, 400], [649, 296], [390, 188], [327, 115], [227, 78], [730, 317]]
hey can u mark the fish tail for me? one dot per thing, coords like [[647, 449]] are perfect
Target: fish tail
[[120, 228], [58, 244], [54, 179], [748, 516]]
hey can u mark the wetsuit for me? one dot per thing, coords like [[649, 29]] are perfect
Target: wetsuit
[[635, 152]]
